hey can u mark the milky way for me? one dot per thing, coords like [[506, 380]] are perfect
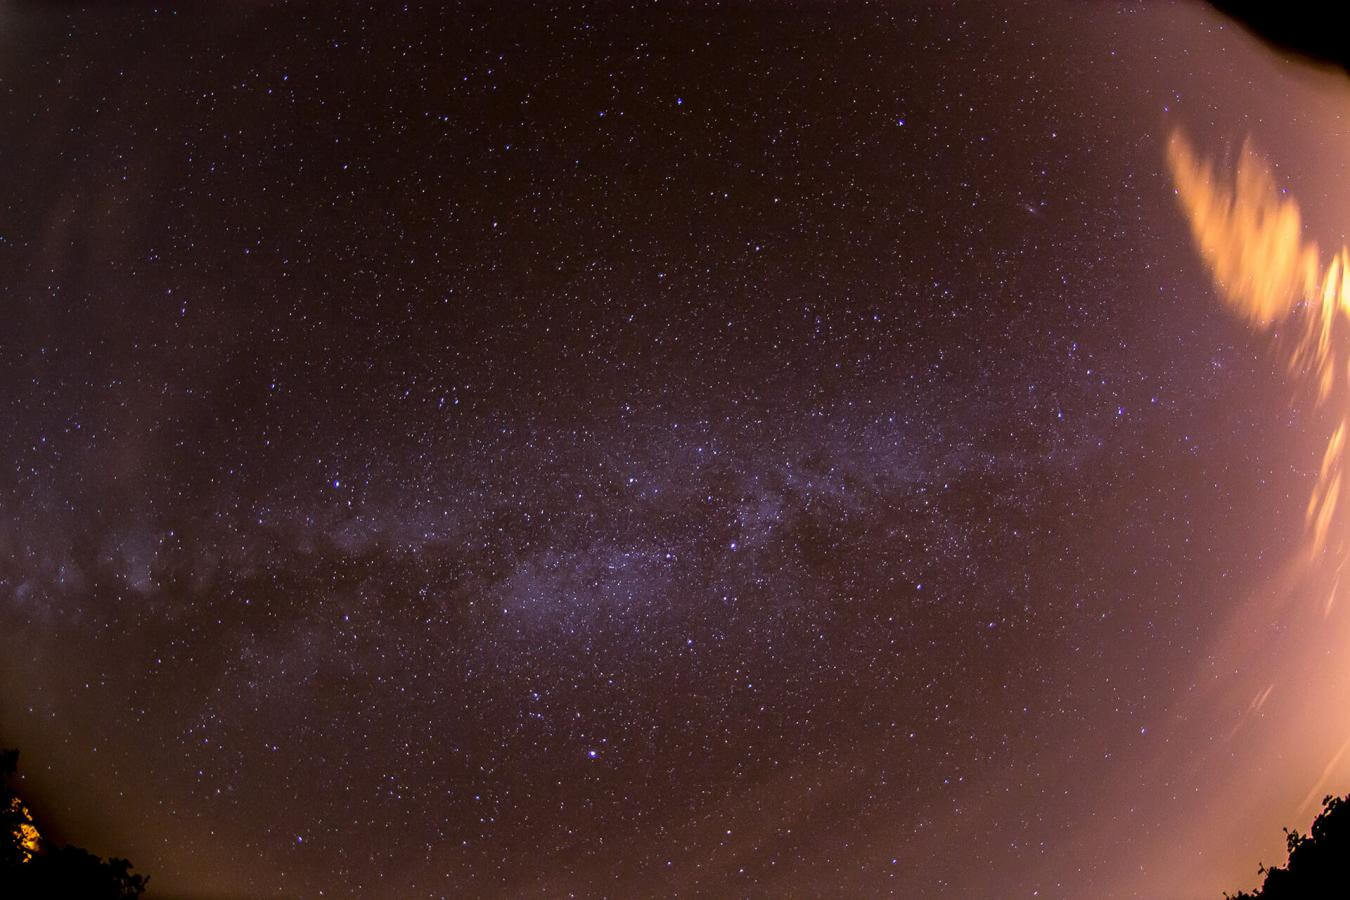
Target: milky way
[[789, 450]]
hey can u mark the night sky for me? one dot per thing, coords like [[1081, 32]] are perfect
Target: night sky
[[739, 450]]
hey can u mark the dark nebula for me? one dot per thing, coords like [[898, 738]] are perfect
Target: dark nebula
[[743, 450]]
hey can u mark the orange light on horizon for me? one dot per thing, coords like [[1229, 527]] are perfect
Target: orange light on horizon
[[25, 833]]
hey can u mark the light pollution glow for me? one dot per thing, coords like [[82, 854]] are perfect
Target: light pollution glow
[[1250, 236], [25, 833]]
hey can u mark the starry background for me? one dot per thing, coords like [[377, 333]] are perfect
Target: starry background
[[749, 449]]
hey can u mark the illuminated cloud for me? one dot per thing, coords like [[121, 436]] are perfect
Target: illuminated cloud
[[1251, 239]]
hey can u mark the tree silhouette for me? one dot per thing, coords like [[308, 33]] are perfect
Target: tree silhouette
[[1319, 861], [29, 867]]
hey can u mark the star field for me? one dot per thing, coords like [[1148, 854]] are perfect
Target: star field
[[632, 451]]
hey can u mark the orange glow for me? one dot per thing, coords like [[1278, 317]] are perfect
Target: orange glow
[[1252, 242], [26, 833], [1286, 696]]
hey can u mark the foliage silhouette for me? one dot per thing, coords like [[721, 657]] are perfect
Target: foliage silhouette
[[1319, 861], [53, 871]]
